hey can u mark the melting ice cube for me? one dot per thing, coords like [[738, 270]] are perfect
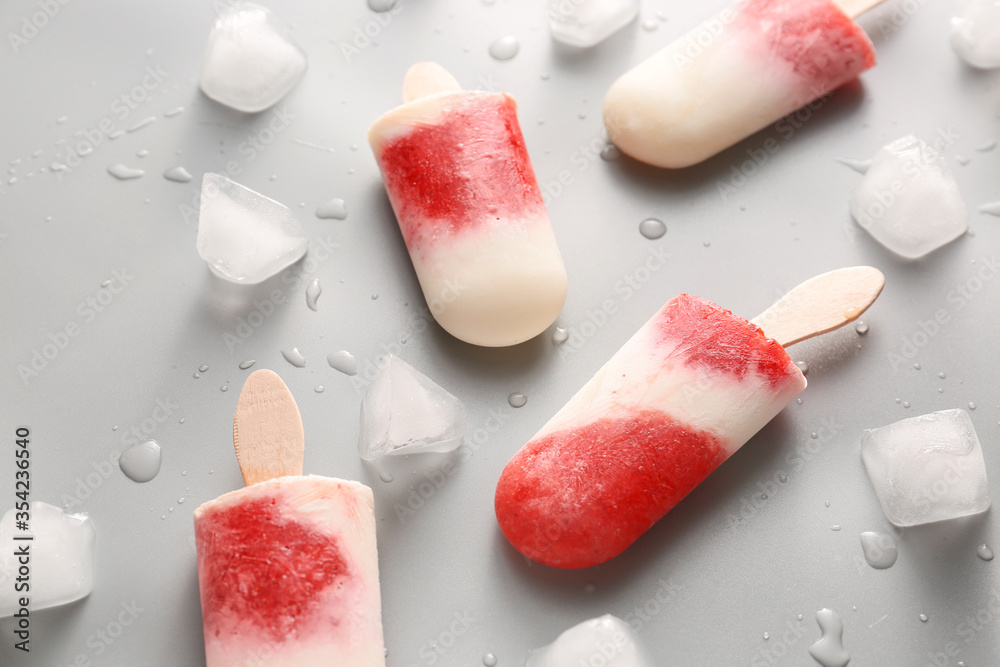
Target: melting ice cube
[[607, 641], [405, 412], [975, 33], [908, 200], [586, 22], [927, 468], [250, 64], [61, 558], [244, 236]]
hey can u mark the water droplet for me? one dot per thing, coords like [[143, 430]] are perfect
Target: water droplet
[[247, 364], [650, 25], [173, 112], [386, 477], [114, 428], [827, 503], [861, 328], [986, 146], [803, 366], [610, 153], [123, 173], [490, 660], [923, 618], [504, 48], [942, 375], [652, 228], [224, 387], [202, 368], [800, 617], [879, 549], [142, 152], [382, 5], [782, 478], [141, 462], [196, 375], [517, 400], [319, 389], [984, 552], [799, 401], [335, 209], [170, 509], [916, 366], [178, 175], [829, 650], [767, 636], [142, 123], [344, 362], [294, 357], [180, 501], [836, 527], [312, 293], [560, 335], [374, 297], [963, 160], [814, 435], [906, 404], [182, 420]]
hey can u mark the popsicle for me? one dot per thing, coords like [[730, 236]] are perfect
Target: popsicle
[[287, 566], [458, 176], [735, 74], [677, 400]]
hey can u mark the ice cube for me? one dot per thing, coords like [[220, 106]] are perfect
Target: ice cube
[[249, 63], [908, 200], [975, 33], [244, 236], [586, 22], [927, 468], [60, 558], [405, 412], [607, 641]]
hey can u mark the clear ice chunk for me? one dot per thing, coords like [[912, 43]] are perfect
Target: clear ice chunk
[[405, 412], [975, 33], [927, 468], [249, 63], [61, 553], [585, 23], [607, 641], [244, 236], [908, 200]]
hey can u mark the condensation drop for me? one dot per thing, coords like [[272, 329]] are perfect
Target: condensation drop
[[652, 228], [517, 400], [504, 48]]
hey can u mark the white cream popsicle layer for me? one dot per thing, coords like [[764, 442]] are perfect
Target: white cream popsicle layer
[[678, 399], [732, 76], [288, 572], [458, 176]]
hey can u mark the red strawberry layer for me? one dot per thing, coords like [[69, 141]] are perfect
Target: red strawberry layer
[[580, 496], [469, 167]]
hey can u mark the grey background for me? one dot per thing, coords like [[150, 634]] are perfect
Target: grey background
[[739, 566]]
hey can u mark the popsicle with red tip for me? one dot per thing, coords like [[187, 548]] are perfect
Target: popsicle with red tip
[[678, 399], [735, 74], [287, 566], [457, 173]]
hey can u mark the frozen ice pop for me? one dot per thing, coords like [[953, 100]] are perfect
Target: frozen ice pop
[[287, 566], [733, 75], [678, 399], [461, 184]]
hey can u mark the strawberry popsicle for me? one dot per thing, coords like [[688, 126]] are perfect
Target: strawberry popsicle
[[678, 399], [733, 75], [288, 573], [458, 176]]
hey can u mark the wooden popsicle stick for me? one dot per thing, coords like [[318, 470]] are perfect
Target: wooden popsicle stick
[[821, 304], [855, 8], [267, 429], [427, 78]]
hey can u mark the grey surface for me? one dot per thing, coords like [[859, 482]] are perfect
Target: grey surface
[[734, 576]]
